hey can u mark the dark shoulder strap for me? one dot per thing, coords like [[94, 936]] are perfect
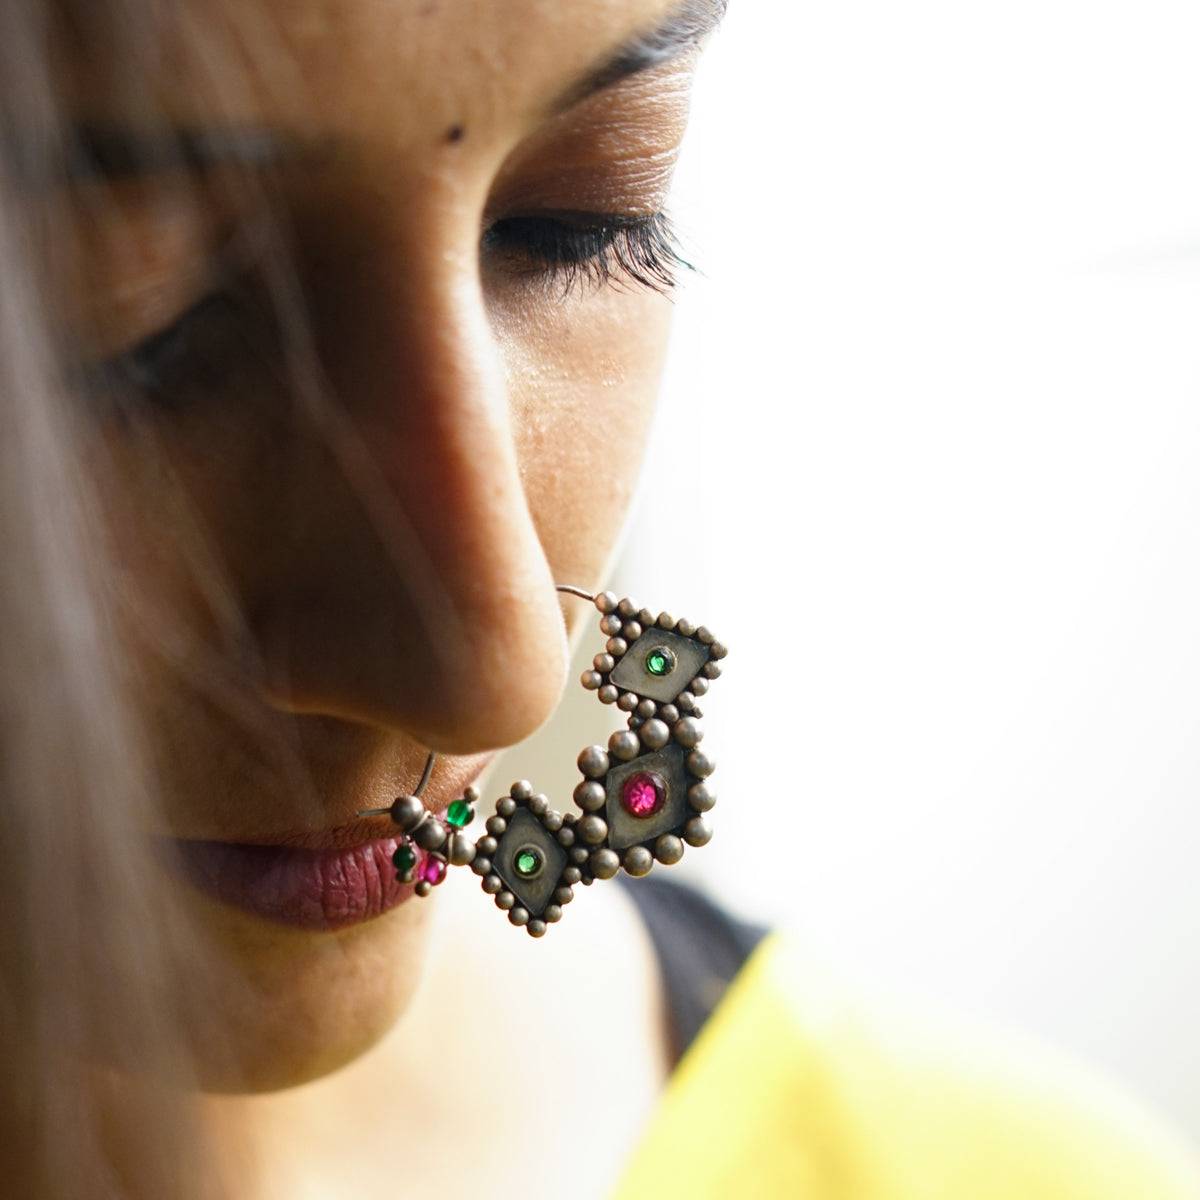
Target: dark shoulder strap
[[700, 948]]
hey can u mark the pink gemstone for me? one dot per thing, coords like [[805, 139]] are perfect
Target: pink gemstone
[[433, 870], [642, 795]]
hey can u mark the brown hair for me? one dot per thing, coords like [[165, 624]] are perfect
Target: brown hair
[[98, 1097]]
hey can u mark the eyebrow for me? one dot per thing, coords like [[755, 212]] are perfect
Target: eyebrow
[[102, 151], [683, 29], [112, 152]]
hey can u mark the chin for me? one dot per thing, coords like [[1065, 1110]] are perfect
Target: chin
[[298, 1005]]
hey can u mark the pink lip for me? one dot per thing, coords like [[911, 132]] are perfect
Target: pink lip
[[323, 889]]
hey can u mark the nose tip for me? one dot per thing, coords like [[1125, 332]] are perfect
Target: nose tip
[[498, 668], [460, 670]]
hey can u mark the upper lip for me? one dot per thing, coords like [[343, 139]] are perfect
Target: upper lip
[[351, 832], [341, 837], [359, 832]]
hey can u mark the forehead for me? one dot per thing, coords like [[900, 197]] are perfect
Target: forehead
[[398, 65]]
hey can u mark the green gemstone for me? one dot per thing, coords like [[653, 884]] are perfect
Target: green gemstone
[[404, 859], [660, 661], [528, 863], [459, 814]]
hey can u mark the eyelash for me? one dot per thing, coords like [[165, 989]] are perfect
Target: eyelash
[[568, 249], [591, 249]]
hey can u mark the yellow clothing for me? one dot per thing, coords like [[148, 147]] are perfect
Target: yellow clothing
[[787, 1094]]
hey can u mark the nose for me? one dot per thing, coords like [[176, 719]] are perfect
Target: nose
[[413, 592]]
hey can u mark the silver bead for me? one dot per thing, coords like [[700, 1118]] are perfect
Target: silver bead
[[666, 621], [506, 807], [487, 845], [518, 915], [563, 896], [566, 835], [718, 650], [552, 913], [705, 636], [626, 607], [605, 602], [521, 790], [481, 865], [553, 821], [627, 701], [701, 797], [538, 804], [571, 875], [697, 832], [579, 855], [654, 734], [593, 829], [608, 694], [592, 680], [492, 884], [604, 663], [462, 850], [593, 762], [712, 670], [698, 686], [700, 765], [605, 863], [646, 709], [536, 928], [624, 745], [496, 826], [638, 861], [616, 646], [686, 702], [631, 631], [430, 834], [471, 794], [590, 795], [687, 732], [669, 713], [646, 617], [423, 888], [668, 849], [684, 627], [611, 625], [505, 900], [407, 812]]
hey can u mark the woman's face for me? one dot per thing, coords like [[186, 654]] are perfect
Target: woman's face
[[338, 537]]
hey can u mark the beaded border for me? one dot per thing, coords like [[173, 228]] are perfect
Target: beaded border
[[666, 846], [559, 828], [623, 622]]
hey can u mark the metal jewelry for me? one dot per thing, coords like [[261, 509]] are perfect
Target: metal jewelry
[[641, 800]]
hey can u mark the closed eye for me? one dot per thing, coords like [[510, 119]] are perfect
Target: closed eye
[[580, 248]]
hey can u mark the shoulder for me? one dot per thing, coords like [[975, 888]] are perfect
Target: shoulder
[[795, 1089], [700, 948]]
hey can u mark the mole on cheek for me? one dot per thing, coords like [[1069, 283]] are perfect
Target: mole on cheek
[[456, 133]]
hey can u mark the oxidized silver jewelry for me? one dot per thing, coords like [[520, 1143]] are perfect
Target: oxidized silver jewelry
[[641, 800]]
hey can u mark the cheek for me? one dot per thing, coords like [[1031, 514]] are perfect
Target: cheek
[[582, 384]]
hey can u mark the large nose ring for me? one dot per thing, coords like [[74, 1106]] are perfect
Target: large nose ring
[[642, 800]]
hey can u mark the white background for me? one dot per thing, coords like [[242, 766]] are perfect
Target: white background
[[928, 462]]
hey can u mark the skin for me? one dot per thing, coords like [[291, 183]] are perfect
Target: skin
[[334, 583]]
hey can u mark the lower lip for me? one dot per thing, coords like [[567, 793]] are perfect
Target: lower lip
[[308, 889]]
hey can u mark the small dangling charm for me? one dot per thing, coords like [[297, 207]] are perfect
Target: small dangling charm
[[404, 859], [440, 839]]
